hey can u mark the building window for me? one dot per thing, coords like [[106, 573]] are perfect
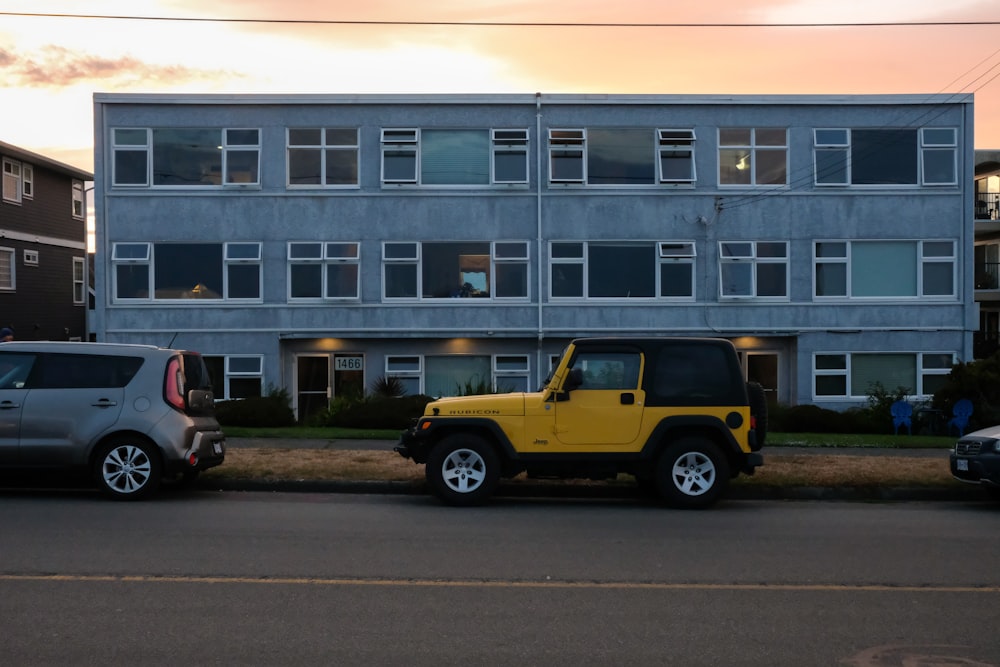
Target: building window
[[854, 375], [325, 157], [399, 156], [676, 150], [621, 269], [987, 266], [455, 270], [7, 276], [243, 277], [186, 157], [236, 376], [566, 152], [454, 375], [319, 270], [79, 281], [753, 156], [884, 269], [27, 181], [12, 182], [620, 157], [904, 156], [510, 157], [753, 269], [198, 271], [79, 209], [30, 258]]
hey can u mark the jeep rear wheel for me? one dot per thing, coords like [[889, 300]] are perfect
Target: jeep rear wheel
[[692, 473], [463, 469]]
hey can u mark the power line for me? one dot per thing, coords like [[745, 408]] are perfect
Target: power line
[[506, 24]]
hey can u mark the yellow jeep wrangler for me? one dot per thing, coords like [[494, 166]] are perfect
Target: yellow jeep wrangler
[[675, 413]]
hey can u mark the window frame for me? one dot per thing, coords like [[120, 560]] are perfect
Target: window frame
[[27, 181], [754, 148], [323, 148], [324, 259], [756, 260], [676, 140], [924, 371], [509, 141], [79, 204], [571, 143], [416, 260], [79, 274], [13, 179], [11, 254], [922, 261], [412, 368], [661, 257], [231, 260]]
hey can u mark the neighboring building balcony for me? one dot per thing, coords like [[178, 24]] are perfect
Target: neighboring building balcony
[[988, 206], [985, 344], [987, 280]]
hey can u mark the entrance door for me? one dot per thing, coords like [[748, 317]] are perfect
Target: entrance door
[[312, 385], [762, 367]]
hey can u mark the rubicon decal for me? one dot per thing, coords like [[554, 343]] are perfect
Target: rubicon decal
[[473, 412]]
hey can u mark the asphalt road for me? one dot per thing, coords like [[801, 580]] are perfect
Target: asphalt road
[[281, 579]]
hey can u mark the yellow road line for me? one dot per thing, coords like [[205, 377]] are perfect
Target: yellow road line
[[493, 583]]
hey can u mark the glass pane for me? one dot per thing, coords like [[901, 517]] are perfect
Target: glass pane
[[187, 270], [891, 370], [676, 165], [939, 166], [130, 167], [244, 281], [734, 136], [241, 166], [831, 362], [304, 166], [131, 251], [884, 157], [517, 250], [511, 362], [567, 165], [831, 279], [826, 249], [939, 249], [400, 281], [737, 279], [305, 137], [627, 271], [770, 165], [245, 364], [567, 280], [567, 250], [939, 136], [187, 157], [734, 166], [837, 137], [510, 167], [511, 280], [771, 280], [884, 268], [831, 385], [130, 137], [938, 279], [307, 281], [342, 281], [455, 375], [132, 281], [400, 250], [242, 251], [770, 136], [772, 249], [676, 279], [341, 136], [620, 157], [242, 137], [937, 361], [342, 167], [933, 383], [455, 157], [831, 165], [342, 250], [305, 251], [736, 249], [401, 166], [244, 387], [399, 364]]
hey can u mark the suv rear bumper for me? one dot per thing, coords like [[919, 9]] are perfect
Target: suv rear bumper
[[207, 450]]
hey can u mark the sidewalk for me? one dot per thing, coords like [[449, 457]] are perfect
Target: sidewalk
[[598, 490]]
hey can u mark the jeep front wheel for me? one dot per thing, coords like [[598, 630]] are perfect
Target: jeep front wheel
[[692, 473], [463, 470]]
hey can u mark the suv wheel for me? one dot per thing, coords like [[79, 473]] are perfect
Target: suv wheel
[[128, 469], [463, 470], [692, 472]]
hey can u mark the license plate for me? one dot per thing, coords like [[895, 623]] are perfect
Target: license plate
[[961, 464], [217, 447]]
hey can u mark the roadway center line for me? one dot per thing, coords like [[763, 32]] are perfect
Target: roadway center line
[[494, 583]]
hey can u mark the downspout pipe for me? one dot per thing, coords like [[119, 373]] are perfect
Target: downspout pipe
[[538, 222]]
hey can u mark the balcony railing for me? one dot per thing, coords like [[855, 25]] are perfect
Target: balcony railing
[[987, 275], [988, 206]]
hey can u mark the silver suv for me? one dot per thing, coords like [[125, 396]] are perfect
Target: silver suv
[[130, 415]]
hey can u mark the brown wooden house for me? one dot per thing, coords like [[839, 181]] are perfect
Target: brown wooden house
[[43, 247]]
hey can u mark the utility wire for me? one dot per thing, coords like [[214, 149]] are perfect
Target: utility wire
[[502, 24]]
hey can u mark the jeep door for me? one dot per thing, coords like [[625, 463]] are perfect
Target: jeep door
[[72, 400], [606, 408], [14, 370]]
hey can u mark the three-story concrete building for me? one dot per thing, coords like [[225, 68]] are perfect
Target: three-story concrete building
[[318, 242]]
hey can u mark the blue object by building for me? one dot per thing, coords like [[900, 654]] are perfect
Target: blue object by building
[[901, 413], [960, 419]]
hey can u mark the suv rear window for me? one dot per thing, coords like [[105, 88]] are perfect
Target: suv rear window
[[195, 372]]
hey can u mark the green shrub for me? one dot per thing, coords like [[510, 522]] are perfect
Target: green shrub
[[377, 412], [271, 410], [978, 381]]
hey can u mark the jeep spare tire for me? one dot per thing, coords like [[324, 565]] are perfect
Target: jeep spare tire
[[758, 410], [463, 469]]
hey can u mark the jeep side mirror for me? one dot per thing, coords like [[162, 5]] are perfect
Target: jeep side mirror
[[573, 380]]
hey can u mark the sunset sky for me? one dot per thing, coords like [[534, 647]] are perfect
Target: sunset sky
[[52, 66]]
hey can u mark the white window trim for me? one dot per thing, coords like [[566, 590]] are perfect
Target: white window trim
[[574, 142], [322, 147], [515, 140], [844, 147], [921, 261], [12, 256], [228, 261], [755, 260], [30, 257], [753, 148], [496, 379], [27, 181], [921, 372], [675, 140], [324, 260], [926, 146], [146, 260], [661, 258], [78, 199], [79, 285], [400, 140], [229, 374], [417, 261], [13, 174], [146, 148]]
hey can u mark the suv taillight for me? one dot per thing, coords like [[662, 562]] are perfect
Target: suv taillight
[[173, 384]]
